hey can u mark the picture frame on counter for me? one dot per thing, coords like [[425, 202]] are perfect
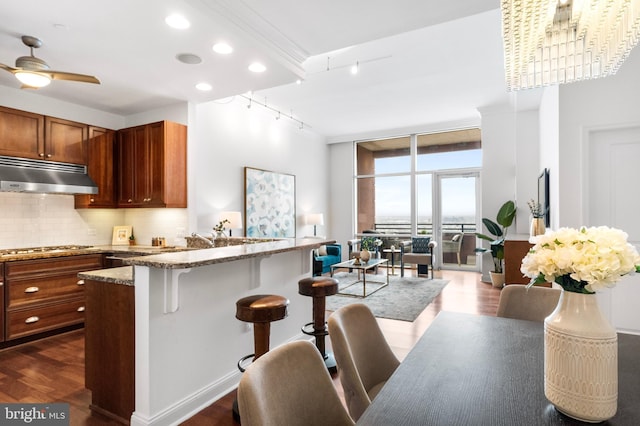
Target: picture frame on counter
[[121, 235]]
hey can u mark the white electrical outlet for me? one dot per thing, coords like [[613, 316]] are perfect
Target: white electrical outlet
[[92, 232], [180, 232]]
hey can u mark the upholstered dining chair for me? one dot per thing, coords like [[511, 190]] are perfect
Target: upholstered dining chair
[[290, 386], [533, 303], [365, 360]]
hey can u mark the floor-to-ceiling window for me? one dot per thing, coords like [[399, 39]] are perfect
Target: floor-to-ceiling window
[[422, 184]]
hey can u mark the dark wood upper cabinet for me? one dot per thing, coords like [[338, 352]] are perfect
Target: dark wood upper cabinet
[[64, 141], [28, 135], [152, 165], [21, 133], [101, 148]]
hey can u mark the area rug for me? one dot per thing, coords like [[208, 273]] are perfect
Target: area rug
[[403, 299]]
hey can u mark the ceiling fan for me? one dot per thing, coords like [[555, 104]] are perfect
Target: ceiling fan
[[34, 73]]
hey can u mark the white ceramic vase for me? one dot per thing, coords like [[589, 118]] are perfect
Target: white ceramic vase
[[581, 359]]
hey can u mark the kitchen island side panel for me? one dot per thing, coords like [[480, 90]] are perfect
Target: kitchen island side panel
[[187, 359]]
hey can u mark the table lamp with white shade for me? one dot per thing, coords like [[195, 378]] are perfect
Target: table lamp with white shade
[[314, 219], [234, 218]]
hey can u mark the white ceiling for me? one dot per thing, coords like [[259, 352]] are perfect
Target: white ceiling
[[421, 61]]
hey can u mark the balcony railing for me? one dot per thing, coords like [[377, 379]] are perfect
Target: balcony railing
[[424, 228]]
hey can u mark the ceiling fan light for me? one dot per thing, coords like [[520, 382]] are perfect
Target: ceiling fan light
[[33, 79]]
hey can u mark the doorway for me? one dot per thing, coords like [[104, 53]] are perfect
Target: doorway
[[456, 207]]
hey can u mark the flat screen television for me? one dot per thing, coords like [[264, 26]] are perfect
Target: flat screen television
[[543, 196]]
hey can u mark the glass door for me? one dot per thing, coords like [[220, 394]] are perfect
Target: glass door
[[456, 196]]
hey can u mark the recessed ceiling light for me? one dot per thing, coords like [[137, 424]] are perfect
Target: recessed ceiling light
[[205, 87], [177, 21], [188, 58], [257, 67], [222, 48]]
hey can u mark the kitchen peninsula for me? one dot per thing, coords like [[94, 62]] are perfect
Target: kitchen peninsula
[[187, 339]]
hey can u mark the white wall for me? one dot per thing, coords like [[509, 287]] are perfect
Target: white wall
[[230, 137], [587, 107], [33, 101], [341, 159], [595, 104], [550, 146]]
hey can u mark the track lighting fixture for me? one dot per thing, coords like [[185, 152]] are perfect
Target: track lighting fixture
[[354, 69], [252, 101]]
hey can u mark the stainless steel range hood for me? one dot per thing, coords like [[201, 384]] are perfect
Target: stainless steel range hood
[[24, 175]]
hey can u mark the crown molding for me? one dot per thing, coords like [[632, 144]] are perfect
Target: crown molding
[[256, 28]]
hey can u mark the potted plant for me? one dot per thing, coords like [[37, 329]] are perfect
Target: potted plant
[[220, 228], [369, 245], [132, 239], [498, 231]]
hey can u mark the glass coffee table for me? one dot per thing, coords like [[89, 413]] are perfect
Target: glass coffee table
[[362, 268]]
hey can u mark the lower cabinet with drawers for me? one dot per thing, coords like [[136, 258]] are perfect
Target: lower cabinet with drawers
[[45, 294]]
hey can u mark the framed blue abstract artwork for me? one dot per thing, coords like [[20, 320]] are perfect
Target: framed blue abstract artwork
[[270, 204]]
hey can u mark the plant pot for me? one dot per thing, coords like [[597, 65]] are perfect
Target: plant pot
[[132, 242], [497, 279]]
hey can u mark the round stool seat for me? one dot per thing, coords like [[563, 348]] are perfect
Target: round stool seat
[[318, 286], [261, 308]]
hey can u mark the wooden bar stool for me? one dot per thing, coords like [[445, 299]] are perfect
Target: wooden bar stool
[[319, 288], [261, 310]]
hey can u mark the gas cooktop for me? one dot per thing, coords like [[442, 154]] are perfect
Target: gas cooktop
[[48, 249]]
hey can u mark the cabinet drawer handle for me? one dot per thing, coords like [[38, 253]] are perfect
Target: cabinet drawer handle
[[129, 200], [41, 154], [31, 290], [80, 282], [93, 200], [31, 320], [80, 309], [49, 156]]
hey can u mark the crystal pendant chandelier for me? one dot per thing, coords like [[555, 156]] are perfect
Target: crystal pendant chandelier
[[561, 41]]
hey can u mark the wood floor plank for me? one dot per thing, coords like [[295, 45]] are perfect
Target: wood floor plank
[[52, 369]]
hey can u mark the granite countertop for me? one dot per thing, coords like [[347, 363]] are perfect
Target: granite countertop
[[202, 257], [122, 275], [6, 255]]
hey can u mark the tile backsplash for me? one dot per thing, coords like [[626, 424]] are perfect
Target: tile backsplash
[[34, 220]]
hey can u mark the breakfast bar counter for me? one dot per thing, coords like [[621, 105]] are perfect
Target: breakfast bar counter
[[185, 336]]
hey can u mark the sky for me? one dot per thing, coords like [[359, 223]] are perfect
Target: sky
[[458, 194]]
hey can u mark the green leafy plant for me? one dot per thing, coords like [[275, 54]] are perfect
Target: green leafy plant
[[498, 231], [132, 237], [370, 243]]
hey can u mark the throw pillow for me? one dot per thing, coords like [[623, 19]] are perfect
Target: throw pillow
[[322, 251], [420, 244]]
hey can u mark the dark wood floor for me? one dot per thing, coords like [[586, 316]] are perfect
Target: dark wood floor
[[52, 370]]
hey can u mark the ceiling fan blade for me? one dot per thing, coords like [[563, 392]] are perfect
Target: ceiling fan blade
[[82, 78], [8, 68]]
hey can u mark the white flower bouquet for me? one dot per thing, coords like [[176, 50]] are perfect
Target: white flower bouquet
[[581, 260]]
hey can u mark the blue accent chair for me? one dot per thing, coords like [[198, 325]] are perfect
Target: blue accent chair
[[322, 264]]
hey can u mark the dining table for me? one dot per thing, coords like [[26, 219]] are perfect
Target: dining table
[[481, 370]]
